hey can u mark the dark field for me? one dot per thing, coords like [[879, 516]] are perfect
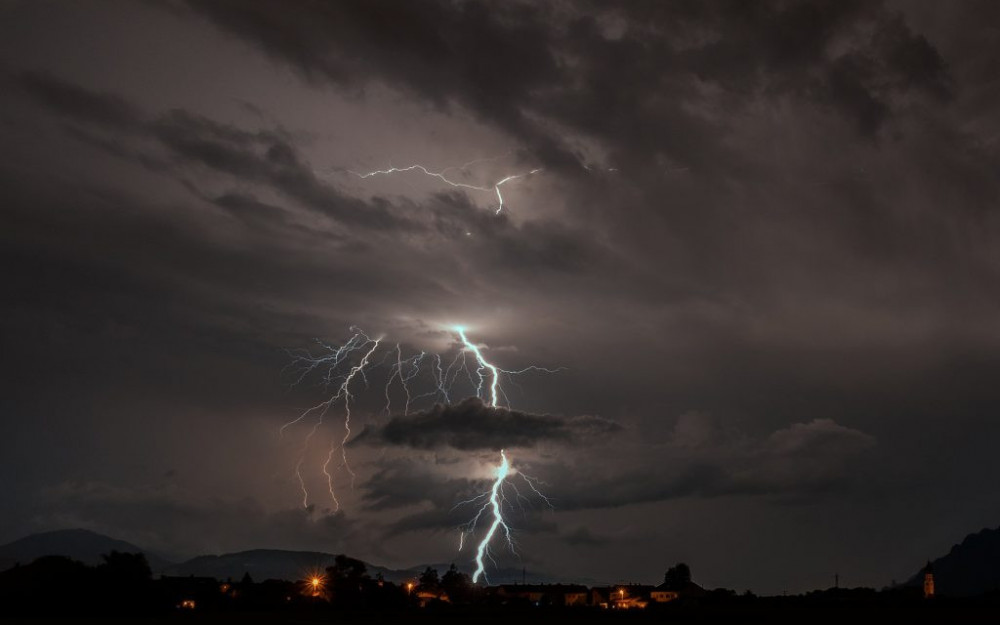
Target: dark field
[[973, 612]]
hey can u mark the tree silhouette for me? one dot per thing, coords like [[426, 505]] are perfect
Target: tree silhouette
[[126, 568], [31, 588], [348, 569], [124, 582], [429, 579], [458, 585], [677, 576], [347, 579]]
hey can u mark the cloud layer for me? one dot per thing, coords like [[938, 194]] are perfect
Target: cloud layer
[[471, 425]]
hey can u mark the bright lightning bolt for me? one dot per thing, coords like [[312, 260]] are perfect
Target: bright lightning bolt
[[492, 503], [483, 364], [496, 496], [307, 364], [495, 390], [339, 367], [344, 390], [440, 175], [498, 521]]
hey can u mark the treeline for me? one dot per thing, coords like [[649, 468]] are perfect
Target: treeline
[[123, 585]]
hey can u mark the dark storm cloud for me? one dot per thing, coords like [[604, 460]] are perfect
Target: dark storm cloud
[[268, 158], [857, 58], [583, 537], [263, 156], [516, 60], [801, 462], [684, 101], [523, 249], [804, 462], [78, 103], [471, 425], [494, 51]]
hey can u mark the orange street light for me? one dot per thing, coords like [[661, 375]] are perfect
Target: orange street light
[[314, 584]]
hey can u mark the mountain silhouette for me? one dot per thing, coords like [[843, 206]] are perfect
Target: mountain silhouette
[[79, 544], [972, 567], [88, 547], [264, 564]]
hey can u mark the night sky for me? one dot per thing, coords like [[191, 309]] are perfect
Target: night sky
[[762, 252]]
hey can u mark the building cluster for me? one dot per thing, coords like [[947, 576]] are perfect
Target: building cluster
[[125, 586], [195, 592], [615, 597]]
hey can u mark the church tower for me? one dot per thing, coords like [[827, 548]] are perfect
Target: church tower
[[928, 581]]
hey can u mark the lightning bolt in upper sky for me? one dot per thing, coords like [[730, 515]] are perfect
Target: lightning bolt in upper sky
[[440, 175]]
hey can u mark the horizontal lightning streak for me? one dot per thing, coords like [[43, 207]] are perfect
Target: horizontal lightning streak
[[454, 183]]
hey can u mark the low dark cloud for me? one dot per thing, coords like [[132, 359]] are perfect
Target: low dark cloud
[[805, 462], [802, 462], [78, 103], [472, 425], [404, 482], [583, 537]]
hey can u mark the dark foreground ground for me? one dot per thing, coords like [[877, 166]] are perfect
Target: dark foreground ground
[[931, 612]]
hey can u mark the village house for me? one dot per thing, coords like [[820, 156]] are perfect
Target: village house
[[544, 594], [620, 596]]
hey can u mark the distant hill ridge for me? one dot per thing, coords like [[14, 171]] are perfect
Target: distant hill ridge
[[88, 547], [78, 544], [972, 567], [264, 564]]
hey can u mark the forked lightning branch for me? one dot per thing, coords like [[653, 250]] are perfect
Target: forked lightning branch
[[348, 368]]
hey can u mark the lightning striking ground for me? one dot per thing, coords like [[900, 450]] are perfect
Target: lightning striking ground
[[498, 521], [492, 503], [339, 366], [496, 495], [440, 175]]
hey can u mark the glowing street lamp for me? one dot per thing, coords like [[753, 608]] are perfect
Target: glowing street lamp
[[314, 585]]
